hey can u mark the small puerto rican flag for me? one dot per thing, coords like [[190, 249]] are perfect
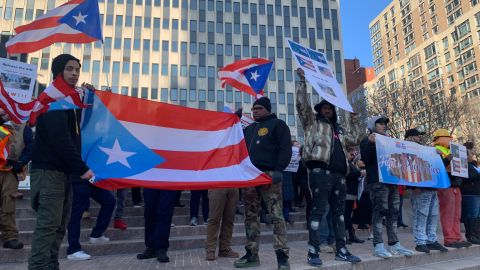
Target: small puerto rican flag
[[249, 75]]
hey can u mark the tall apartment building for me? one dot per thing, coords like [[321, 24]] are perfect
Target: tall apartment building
[[171, 50], [433, 44]]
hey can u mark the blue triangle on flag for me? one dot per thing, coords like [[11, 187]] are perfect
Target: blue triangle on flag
[[62, 104], [109, 149], [257, 76], [85, 18]]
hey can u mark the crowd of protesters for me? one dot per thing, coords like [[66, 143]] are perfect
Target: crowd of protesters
[[335, 179]]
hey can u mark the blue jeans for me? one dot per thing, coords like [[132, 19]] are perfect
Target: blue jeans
[[471, 206], [425, 216], [82, 192]]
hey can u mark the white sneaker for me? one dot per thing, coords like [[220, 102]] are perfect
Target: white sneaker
[[79, 256], [99, 240]]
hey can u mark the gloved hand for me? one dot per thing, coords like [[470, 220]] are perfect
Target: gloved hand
[[277, 177], [239, 112]]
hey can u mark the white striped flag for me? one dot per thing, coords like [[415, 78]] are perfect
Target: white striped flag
[[131, 142], [77, 21], [248, 75], [23, 112]]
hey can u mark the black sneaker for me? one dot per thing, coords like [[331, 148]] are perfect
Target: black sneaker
[[465, 244], [313, 259], [13, 244], [422, 248], [148, 253], [454, 245], [437, 246], [346, 256], [162, 256]]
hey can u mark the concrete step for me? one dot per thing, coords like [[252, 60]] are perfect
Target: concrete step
[[28, 224], [137, 245], [189, 258], [139, 232]]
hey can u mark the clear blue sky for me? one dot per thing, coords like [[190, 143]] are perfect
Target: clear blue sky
[[355, 17]]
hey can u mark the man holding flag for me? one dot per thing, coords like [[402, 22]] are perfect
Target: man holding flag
[[56, 155]]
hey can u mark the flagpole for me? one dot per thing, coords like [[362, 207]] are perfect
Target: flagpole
[[105, 72]]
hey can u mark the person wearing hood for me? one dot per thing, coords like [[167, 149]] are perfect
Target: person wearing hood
[[325, 156], [385, 197], [449, 199], [268, 142], [56, 156]]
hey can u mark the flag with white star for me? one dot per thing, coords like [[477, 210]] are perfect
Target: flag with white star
[[132, 142], [248, 75], [77, 21]]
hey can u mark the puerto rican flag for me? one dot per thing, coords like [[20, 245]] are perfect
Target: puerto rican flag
[[58, 91], [249, 75], [131, 142], [77, 21]]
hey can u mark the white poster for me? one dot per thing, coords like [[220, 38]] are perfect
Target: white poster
[[18, 78], [294, 161], [319, 74], [459, 163]]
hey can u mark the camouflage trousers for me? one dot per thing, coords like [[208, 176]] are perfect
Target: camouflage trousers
[[272, 196]]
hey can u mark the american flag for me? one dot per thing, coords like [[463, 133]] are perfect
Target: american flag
[[131, 142], [23, 112]]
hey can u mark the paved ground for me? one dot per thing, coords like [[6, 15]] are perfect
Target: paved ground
[[194, 259]]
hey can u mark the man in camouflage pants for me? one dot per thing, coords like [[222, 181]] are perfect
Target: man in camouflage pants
[[269, 146]]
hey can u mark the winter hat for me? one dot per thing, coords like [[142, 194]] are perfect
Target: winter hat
[[59, 63], [376, 119], [264, 102]]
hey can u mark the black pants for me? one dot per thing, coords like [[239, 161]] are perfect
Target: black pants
[[158, 213], [348, 215], [327, 187], [136, 195], [362, 215]]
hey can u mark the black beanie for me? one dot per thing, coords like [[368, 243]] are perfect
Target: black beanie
[[59, 63], [265, 102]]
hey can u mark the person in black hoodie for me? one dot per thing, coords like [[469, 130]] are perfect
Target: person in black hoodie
[[269, 146], [56, 155], [471, 200]]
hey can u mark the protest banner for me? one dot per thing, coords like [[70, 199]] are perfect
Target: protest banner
[[459, 163], [294, 161], [18, 78], [410, 164], [320, 75]]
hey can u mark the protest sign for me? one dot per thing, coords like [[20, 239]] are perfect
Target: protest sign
[[18, 78], [410, 164], [459, 163], [294, 161], [319, 74]]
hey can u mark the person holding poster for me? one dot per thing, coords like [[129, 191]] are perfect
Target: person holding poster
[[325, 156], [450, 199], [471, 200], [385, 197], [424, 209]]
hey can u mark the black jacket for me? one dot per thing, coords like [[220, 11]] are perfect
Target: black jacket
[[352, 179], [471, 186], [369, 157], [57, 144], [269, 144]]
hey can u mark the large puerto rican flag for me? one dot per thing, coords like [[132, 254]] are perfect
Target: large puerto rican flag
[[131, 142], [77, 21], [248, 75]]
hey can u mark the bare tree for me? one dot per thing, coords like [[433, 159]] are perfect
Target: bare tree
[[426, 109]]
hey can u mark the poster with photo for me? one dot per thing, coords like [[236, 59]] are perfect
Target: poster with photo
[[18, 78], [320, 75], [459, 163]]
